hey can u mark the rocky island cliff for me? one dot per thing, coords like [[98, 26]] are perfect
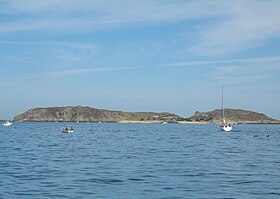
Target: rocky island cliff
[[233, 116], [88, 114]]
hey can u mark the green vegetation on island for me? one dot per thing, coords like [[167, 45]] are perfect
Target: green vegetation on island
[[88, 114]]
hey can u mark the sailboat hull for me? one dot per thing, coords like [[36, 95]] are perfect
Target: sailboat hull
[[226, 128]]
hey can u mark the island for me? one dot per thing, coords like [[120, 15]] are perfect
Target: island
[[88, 114], [237, 116]]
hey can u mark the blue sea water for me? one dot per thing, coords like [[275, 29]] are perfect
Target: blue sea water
[[139, 161]]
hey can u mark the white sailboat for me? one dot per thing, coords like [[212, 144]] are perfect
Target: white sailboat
[[224, 126]]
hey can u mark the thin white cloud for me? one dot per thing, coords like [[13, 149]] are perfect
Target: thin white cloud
[[61, 74], [250, 24], [88, 46], [60, 14], [230, 69], [228, 27], [82, 71], [246, 73], [230, 61], [238, 71]]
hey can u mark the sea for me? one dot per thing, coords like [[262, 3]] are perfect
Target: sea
[[139, 161]]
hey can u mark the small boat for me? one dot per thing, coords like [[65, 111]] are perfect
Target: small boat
[[67, 130], [7, 123], [224, 126]]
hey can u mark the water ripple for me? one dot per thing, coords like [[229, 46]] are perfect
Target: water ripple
[[136, 161]]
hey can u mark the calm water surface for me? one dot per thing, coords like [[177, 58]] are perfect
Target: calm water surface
[[139, 161]]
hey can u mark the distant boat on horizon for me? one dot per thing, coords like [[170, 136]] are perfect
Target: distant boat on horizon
[[7, 123], [224, 126], [67, 130]]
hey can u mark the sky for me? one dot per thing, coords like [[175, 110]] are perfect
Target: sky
[[140, 55]]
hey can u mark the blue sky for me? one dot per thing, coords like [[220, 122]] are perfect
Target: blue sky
[[148, 55]]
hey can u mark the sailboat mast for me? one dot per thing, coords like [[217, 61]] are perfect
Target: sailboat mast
[[223, 111]]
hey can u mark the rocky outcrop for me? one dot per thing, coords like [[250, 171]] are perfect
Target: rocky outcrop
[[88, 114], [233, 116]]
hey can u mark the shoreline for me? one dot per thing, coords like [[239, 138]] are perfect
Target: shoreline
[[160, 122], [188, 122], [156, 122]]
